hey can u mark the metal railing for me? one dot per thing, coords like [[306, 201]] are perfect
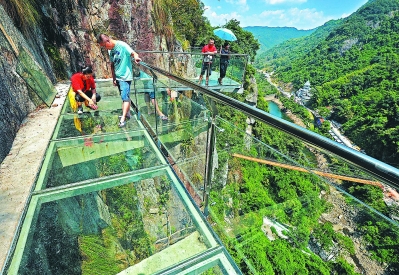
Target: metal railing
[[378, 168], [188, 65]]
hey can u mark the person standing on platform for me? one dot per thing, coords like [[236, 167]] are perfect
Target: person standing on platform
[[208, 51], [120, 54], [224, 61], [85, 89]]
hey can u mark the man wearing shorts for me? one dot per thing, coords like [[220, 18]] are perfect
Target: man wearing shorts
[[208, 51], [120, 55]]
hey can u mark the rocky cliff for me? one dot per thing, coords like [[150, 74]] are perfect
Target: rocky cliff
[[36, 55], [26, 81]]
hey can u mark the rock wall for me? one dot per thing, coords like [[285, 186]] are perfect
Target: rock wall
[[74, 26], [63, 41], [22, 81], [55, 248]]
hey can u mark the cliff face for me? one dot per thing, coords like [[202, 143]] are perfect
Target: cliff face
[[34, 58], [25, 81], [74, 25]]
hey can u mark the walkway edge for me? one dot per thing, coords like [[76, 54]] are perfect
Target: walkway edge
[[19, 169]]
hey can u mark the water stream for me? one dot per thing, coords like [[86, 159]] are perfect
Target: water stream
[[274, 109]]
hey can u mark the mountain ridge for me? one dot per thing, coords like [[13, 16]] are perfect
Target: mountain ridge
[[353, 72], [269, 37]]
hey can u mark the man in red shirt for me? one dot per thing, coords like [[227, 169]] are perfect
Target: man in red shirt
[[208, 51], [85, 89]]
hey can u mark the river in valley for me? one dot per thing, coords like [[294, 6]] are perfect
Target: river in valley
[[274, 109]]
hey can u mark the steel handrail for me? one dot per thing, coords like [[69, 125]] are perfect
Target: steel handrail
[[188, 53], [386, 173]]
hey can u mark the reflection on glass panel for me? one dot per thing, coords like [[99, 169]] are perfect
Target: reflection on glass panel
[[91, 123], [192, 173], [183, 134], [139, 227], [185, 140], [35, 77], [286, 207], [154, 106], [93, 157], [168, 108]]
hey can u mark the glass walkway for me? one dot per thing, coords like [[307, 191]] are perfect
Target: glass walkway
[[198, 194]]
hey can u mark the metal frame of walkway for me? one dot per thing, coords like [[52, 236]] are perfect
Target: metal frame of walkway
[[215, 254]]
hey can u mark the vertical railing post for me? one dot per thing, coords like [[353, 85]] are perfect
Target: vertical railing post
[[211, 140], [154, 85], [137, 109], [136, 105]]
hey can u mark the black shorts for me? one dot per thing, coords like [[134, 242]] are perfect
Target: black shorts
[[89, 94], [206, 67]]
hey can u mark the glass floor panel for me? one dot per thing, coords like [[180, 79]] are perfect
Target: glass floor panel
[[181, 109], [184, 140], [213, 262], [92, 157], [105, 201], [111, 104], [92, 123], [133, 224], [105, 88]]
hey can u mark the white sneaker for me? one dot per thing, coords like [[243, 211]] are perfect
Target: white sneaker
[[80, 110]]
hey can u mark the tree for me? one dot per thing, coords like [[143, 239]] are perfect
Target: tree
[[246, 42]]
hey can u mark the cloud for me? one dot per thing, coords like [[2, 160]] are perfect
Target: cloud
[[344, 15], [242, 4], [299, 18], [277, 2], [237, 2], [219, 19]]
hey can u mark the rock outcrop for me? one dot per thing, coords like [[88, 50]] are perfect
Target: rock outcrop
[[24, 84], [35, 57]]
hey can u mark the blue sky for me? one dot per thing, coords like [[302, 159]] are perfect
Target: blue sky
[[301, 14]]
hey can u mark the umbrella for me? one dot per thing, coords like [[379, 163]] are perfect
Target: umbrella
[[225, 34]]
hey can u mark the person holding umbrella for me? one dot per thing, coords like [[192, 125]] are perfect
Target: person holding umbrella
[[224, 61], [227, 35], [208, 51]]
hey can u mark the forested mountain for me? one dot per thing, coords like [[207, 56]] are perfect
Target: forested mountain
[[354, 73], [283, 53], [271, 36]]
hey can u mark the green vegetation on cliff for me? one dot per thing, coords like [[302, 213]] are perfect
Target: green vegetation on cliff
[[354, 72]]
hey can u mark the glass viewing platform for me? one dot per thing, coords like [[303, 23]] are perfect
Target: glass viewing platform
[[188, 66], [199, 192]]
